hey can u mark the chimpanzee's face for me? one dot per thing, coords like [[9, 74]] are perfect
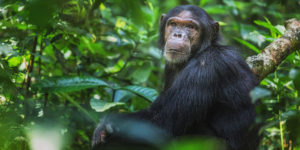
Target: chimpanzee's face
[[182, 34]]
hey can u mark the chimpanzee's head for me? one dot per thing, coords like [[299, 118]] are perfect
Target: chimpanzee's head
[[184, 31]]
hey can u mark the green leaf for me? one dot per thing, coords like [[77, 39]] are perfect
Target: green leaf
[[7, 87], [94, 48], [245, 30], [256, 37], [6, 49], [258, 93], [269, 26], [15, 61], [101, 106], [249, 45], [292, 125], [281, 29], [68, 84], [147, 93], [221, 23], [122, 96], [263, 24], [141, 74], [41, 12], [295, 75]]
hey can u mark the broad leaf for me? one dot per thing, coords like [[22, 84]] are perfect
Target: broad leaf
[[68, 84], [249, 45], [101, 106], [122, 96], [141, 74], [258, 93], [147, 93]]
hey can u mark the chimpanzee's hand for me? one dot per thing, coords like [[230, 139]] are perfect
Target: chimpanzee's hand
[[126, 132], [102, 132]]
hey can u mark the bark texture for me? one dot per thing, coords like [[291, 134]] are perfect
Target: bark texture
[[267, 61]]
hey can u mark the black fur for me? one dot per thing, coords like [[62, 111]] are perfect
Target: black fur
[[207, 95]]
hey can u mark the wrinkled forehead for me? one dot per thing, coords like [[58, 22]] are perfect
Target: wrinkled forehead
[[185, 17]]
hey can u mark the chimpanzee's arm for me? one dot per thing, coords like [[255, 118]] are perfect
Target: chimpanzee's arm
[[234, 113]]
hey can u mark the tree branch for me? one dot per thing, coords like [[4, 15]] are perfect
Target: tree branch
[[267, 61], [31, 64]]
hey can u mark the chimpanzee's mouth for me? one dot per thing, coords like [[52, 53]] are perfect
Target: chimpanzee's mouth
[[175, 51]]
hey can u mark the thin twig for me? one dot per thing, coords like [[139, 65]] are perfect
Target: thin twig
[[31, 65]]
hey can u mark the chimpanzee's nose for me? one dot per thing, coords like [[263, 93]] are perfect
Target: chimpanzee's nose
[[177, 35]]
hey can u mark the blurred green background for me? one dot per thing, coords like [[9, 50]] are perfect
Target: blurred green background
[[65, 63]]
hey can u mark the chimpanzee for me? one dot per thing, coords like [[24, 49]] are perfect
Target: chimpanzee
[[207, 84]]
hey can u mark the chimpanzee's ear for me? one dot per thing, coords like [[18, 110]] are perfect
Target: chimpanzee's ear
[[162, 17], [214, 31], [216, 27]]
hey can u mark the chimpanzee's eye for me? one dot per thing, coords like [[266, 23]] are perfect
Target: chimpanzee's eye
[[190, 26], [173, 23]]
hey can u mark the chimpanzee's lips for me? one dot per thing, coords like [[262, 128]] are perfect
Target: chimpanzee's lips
[[174, 51]]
